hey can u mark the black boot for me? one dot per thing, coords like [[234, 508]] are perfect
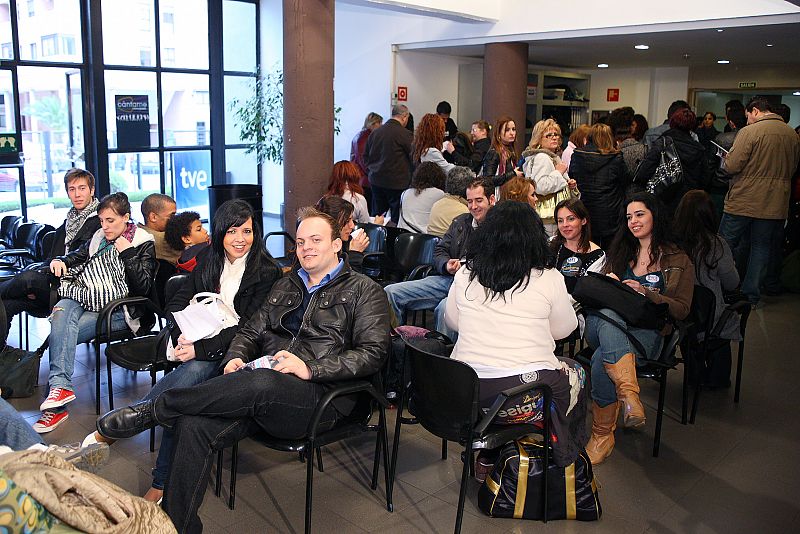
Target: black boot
[[127, 422]]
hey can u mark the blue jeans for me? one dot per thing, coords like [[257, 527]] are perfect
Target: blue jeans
[[15, 431], [738, 230], [188, 374], [71, 325], [430, 292], [611, 344]]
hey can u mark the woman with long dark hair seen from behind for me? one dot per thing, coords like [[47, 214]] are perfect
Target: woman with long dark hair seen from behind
[[427, 187], [643, 256], [238, 268], [500, 162], [696, 227], [509, 305]]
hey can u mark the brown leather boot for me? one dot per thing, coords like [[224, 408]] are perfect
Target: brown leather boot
[[623, 374], [604, 422]]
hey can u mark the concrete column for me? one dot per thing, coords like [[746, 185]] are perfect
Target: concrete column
[[308, 40], [505, 84]]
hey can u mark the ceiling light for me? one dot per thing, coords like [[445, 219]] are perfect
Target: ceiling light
[[720, 31], [770, 45], [641, 47], [796, 93], [723, 61], [602, 65]]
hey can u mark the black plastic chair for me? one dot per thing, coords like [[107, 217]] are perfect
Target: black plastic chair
[[413, 255], [8, 227], [655, 370], [355, 424], [444, 397], [374, 263], [145, 353], [286, 261], [25, 249], [703, 312]]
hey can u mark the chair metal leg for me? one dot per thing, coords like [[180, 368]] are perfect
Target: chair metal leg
[[97, 375], [662, 392], [740, 361], [545, 504], [110, 388], [385, 453], [309, 484], [234, 466], [462, 495], [319, 459], [27, 333], [695, 402], [397, 425], [218, 488], [376, 456], [685, 390], [444, 449]]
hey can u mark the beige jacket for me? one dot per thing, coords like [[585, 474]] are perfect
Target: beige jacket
[[443, 212], [82, 500], [762, 161]]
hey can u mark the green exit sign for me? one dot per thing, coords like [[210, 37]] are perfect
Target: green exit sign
[[747, 85], [9, 142]]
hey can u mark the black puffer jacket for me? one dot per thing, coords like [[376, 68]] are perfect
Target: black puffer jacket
[[344, 333], [602, 180], [253, 292], [490, 164], [695, 166], [475, 160]]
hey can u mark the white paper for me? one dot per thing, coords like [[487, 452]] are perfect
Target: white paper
[[197, 322]]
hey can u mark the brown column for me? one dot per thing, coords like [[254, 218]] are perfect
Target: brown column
[[505, 83], [308, 41]]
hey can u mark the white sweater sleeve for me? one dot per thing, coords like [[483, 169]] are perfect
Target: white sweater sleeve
[[562, 315], [541, 169], [434, 155]]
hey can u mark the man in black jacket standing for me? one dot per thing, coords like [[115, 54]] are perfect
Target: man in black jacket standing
[[29, 291], [388, 159], [321, 325]]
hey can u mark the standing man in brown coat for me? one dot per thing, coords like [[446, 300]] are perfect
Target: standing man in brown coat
[[762, 161]]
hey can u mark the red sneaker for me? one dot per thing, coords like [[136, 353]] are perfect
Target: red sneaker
[[49, 421], [57, 398]]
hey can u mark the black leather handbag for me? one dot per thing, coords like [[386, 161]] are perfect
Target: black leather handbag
[[514, 487], [669, 173], [596, 291]]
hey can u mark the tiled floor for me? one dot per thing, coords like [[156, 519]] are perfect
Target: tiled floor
[[736, 470]]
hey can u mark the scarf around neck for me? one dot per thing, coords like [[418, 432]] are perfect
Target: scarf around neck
[[75, 220]]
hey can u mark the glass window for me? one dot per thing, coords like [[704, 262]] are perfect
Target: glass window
[[7, 123], [31, 8], [9, 193], [124, 38], [145, 57], [189, 172], [168, 57], [141, 86], [184, 30], [182, 111], [238, 36], [49, 144], [240, 88], [36, 32], [6, 51], [240, 168]]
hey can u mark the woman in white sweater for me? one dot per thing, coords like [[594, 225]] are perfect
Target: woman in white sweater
[[428, 142], [509, 305]]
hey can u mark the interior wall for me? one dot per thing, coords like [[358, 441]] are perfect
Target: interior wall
[[633, 85], [729, 76], [666, 86]]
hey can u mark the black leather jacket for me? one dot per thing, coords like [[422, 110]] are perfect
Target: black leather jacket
[[491, 161], [453, 243], [344, 333]]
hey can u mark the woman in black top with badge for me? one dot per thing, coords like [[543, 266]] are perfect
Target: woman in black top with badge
[[572, 244]]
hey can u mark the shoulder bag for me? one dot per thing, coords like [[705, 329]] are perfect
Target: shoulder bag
[[597, 291], [515, 486], [669, 173]]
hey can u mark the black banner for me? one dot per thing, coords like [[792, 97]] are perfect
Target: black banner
[[133, 121]]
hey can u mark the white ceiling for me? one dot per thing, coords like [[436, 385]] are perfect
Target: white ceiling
[[743, 45]]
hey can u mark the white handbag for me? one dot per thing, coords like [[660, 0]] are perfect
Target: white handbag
[[205, 316]]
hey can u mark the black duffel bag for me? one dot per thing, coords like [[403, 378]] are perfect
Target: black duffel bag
[[596, 291], [514, 487]]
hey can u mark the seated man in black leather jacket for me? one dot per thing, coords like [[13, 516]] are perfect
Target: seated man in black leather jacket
[[323, 324]]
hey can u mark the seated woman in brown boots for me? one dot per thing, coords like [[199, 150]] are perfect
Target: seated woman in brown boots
[[643, 257]]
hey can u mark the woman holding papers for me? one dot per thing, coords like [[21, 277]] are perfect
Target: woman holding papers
[[238, 268]]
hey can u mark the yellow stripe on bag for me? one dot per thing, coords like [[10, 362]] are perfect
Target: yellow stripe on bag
[[522, 482], [493, 486], [569, 485]]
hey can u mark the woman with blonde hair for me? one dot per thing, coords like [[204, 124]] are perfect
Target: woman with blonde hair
[[602, 175], [544, 166]]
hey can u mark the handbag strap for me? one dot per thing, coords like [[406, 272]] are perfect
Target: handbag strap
[[407, 221], [635, 342]]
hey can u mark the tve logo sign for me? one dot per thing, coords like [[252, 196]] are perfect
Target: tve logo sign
[[192, 171]]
